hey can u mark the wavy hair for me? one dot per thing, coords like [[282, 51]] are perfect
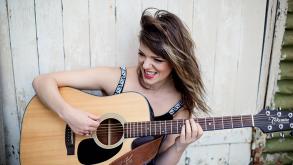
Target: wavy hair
[[166, 36]]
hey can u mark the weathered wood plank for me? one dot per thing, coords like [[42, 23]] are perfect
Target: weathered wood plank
[[2, 135], [102, 32], [205, 24], [76, 34], [236, 153], [276, 51], [266, 54], [127, 31], [160, 4], [250, 56], [211, 154], [184, 10], [24, 49], [50, 35], [234, 136], [227, 56], [11, 117]]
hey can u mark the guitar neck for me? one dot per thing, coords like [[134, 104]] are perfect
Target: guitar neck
[[150, 128]]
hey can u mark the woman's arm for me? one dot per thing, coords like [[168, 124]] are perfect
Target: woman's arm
[[46, 87], [174, 145]]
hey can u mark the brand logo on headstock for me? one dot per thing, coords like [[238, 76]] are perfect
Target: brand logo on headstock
[[276, 120]]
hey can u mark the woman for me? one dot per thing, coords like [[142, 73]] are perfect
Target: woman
[[167, 74]]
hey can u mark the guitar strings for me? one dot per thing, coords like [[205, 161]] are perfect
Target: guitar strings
[[224, 118]]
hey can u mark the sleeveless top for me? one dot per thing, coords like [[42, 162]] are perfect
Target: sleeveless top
[[167, 116]]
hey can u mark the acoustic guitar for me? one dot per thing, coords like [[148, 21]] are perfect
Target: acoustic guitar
[[46, 139]]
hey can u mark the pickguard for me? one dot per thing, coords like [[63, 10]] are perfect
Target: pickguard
[[89, 152]]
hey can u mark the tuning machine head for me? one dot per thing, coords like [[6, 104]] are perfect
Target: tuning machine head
[[269, 136], [282, 135]]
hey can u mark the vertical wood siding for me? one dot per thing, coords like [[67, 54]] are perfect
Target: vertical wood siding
[[40, 36]]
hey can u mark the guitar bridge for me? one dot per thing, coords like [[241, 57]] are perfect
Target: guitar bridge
[[69, 140]]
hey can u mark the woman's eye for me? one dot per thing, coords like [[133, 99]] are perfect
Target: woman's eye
[[158, 60], [139, 53]]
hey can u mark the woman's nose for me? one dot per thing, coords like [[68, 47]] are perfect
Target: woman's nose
[[147, 63]]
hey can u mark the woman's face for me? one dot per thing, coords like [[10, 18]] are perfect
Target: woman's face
[[154, 69]]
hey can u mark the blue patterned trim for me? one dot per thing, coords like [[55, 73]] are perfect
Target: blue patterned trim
[[122, 80], [176, 107]]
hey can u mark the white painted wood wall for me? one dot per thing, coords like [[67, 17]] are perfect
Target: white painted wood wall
[[41, 36]]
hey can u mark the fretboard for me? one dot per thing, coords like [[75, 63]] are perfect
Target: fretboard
[[147, 128]]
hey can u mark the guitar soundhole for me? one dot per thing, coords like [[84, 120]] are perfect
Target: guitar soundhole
[[110, 131]]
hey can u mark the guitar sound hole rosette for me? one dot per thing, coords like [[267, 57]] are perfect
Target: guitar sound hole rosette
[[110, 133]]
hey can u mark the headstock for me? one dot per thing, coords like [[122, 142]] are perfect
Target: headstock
[[274, 120]]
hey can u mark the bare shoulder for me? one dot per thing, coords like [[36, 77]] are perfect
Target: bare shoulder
[[182, 114]]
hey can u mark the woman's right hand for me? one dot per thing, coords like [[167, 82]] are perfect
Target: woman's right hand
[[82, 123]]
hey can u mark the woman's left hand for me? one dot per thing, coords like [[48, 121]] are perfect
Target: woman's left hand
[[190, 132]]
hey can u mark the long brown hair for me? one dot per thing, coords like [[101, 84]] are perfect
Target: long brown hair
[[166, 36]]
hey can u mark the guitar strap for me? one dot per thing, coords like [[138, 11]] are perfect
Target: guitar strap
[[140, 155], [122, 80]]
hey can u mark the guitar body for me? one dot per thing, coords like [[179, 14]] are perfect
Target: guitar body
[[43, 132]]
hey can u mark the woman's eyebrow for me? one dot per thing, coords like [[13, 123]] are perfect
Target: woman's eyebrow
[[141, 51]]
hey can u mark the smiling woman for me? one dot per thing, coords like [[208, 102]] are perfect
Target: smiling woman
[[167, 74]]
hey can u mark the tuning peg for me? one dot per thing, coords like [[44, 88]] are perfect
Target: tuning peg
[[282, 134], [279, 108], [270, 135]]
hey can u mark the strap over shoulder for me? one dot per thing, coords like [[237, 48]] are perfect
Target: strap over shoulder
[[122, 80]]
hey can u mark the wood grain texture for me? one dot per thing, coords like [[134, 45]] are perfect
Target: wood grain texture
[[42, 133], [49, 25], [76, 34]]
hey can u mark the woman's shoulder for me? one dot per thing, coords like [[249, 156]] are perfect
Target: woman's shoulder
[[183, 113]]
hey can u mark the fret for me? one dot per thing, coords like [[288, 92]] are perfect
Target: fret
[[141, 128], [171, 127], [210, 123], [252, 117], [137, 129], [133, 128], [214, 123], [241, 121], [160, 128], [161, 123], [218, 122], [247, 120], [145, 129], [165, 127], [201, 122], [177, 127], [205, 119], [236, 121], [232, 122], [125, 130], [150, 128], [129, 129], [227, 122], [223, 123]]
